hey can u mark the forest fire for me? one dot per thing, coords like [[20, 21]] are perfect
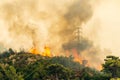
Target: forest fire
[[77, 57], [34, 50], [83, 60], [52, 40], [46, 51]]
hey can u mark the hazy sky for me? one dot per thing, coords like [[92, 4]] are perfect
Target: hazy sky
[[36, 23], [104, 27]]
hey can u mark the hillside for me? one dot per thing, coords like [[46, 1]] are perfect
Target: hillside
[[27, 66]]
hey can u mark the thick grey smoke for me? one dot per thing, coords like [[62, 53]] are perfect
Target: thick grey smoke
[[36, 23], [43, 22], [77, 14], [22, 25]]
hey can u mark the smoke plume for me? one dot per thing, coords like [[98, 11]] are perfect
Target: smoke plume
[[41, 22], [36, 23]]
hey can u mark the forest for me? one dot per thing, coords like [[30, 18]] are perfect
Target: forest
[[26, 66]]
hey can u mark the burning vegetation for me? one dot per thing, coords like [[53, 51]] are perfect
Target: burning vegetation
[[47, 51], [31, 24], [59, 24], [29, 66]]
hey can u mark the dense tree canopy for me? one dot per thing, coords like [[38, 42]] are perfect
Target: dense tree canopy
[[26, 66], [112, 66]]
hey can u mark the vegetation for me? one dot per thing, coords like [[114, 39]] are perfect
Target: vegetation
[[112, 66], [26, 66]]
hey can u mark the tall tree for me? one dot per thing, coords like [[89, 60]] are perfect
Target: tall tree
[[112, 66]]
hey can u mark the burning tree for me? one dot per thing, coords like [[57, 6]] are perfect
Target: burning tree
[[47, 51], [29, 66]]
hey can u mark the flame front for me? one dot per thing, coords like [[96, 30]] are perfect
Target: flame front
[[46, 52], [34, 50], [75, 54]]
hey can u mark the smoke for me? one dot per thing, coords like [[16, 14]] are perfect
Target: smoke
[[41, 22], [103, 28], [36, 23], [25, 24], [77, 14]]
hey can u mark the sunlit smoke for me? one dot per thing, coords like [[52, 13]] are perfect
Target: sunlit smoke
[[36, 23]]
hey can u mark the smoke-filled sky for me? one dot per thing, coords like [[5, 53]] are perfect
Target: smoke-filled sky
[[105, 25], [38, 23], [28, 23]]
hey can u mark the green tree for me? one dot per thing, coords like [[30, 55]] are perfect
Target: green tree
[[57, 71], [9, 73], [112, 66], [35, 71]]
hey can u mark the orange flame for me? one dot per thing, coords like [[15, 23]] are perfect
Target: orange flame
[[46, 52], [34, 50], [76, 56]]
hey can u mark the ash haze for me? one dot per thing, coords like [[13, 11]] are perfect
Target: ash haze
[[104, 26], [36, 23], [39, 23]]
